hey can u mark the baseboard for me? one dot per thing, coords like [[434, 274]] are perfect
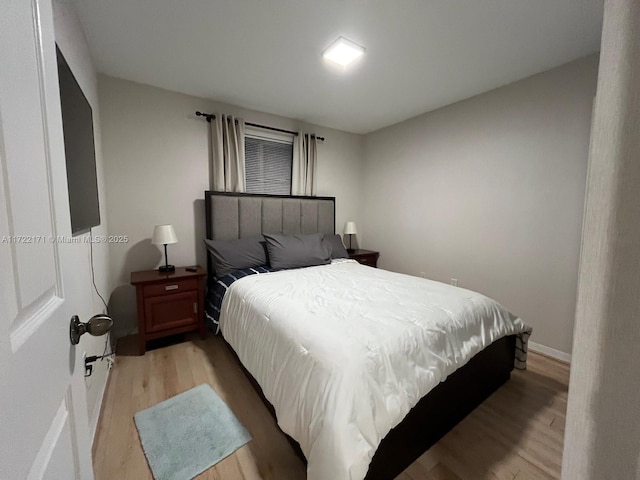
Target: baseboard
[[550, 352]]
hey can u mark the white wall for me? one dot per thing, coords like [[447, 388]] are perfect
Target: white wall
[[490, 191], [71, 41], [156, 169]]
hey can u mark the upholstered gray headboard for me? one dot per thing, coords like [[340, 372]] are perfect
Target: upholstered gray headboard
[[238, 215]]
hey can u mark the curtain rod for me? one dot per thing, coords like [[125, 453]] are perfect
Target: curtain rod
[[210, 116]]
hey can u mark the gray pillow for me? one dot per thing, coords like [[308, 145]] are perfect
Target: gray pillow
[[231, 255], [292, 251], [336, 247]]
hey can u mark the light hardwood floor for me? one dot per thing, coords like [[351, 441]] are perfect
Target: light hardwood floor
[[516, 434]]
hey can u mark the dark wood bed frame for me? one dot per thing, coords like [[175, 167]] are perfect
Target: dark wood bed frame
[[437, 412]]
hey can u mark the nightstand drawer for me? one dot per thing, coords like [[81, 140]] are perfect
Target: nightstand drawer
[[365, 257], [171, 311], [169, 288], [370, 260]]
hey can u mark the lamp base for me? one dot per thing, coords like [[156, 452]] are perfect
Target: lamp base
[[167, 268], [351, 250]]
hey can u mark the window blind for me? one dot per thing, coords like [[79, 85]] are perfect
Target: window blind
[[268, 166]]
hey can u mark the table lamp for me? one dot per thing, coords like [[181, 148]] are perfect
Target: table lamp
[[350, 229], [164, 235]]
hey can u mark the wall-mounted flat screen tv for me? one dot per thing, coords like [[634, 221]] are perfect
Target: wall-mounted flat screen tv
[[79, 147]]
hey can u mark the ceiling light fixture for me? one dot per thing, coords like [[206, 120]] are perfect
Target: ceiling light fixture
[[343, 52]]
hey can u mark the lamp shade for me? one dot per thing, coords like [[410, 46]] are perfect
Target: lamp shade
[[164, 235], [350, 228]]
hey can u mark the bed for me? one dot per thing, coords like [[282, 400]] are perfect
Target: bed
[[360, 399]]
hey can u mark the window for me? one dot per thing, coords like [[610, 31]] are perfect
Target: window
[[268, 164]]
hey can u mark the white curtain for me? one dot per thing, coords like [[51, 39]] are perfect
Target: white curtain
[[305, 156], [227, 154]]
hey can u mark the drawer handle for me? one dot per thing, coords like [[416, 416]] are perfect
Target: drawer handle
[[171, 287]]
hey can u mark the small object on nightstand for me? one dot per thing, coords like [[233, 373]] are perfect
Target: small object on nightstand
[[191, 269], [169, 303], [365, 257]]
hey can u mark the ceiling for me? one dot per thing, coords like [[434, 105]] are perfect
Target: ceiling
[[266, 54]]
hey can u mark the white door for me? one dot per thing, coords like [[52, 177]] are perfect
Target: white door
[[43, 421]]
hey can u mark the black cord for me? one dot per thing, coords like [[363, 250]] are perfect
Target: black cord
[[106, 342], [93, 280], [93, 274], [97, 357]]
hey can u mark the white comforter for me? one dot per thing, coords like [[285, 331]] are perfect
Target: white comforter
[[344, 351]]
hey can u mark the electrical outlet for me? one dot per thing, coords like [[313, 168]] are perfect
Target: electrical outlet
[[454, 282]]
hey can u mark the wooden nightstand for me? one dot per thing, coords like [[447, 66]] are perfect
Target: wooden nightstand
[[169, 303], [365, 257]]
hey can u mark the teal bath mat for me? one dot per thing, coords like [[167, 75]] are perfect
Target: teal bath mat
[[187, 434]]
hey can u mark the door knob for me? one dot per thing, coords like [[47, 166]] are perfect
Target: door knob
[[96, 326]]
